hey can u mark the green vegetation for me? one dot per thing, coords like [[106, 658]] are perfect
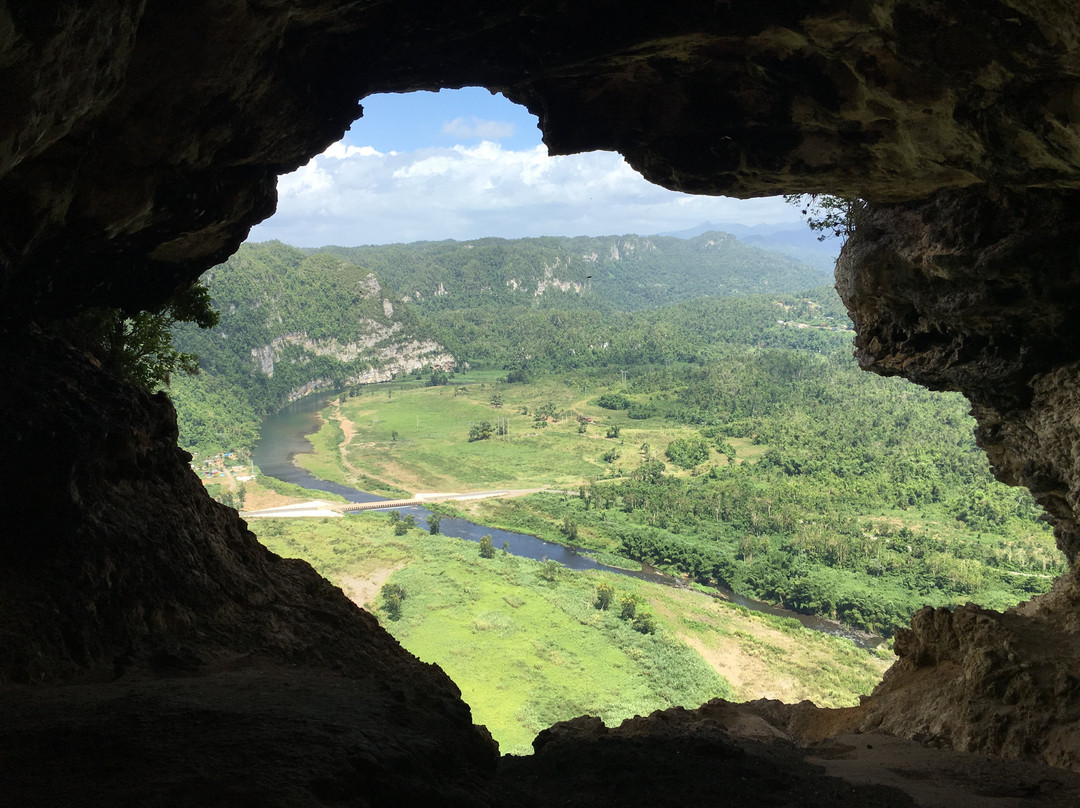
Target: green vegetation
[[863, 518], [528, 648], [729, 438], [620, 273], [139, 347]]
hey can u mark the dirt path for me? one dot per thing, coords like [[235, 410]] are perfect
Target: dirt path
[[364, 590], [348, 432]]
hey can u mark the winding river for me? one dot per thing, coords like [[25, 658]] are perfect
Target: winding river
[[283, 435]]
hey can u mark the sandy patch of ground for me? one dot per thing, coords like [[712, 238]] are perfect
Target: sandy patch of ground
[[258, 499], [363, 590], [736, 658], [751, 678]]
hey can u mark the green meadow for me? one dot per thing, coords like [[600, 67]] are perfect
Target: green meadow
[[417, 439], [528, 647]]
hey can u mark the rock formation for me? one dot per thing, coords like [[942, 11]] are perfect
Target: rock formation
[[140, 140]]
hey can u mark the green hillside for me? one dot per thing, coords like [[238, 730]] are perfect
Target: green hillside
[[293, 321], [624, 273]]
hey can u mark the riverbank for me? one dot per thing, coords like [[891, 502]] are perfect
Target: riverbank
[[316, 441], [527, 645]]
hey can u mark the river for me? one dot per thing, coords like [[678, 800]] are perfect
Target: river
[[283, 435]]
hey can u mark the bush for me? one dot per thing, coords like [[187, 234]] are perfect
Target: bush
[[613, 401], [481, 431], [643, 622], [604, 595], [487, 547], [550, 571], [392, 597]]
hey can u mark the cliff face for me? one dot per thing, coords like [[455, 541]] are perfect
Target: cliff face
[[140, 140]]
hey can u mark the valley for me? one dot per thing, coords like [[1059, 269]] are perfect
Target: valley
[[728, 440]]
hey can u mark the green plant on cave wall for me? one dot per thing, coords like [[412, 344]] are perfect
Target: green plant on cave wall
[[829, 216], [139, 347]]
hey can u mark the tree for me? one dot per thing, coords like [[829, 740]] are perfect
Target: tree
[[433, 524], [392, 597], [569, 528], [487, 547], [481, 431], [613, 401], [139, 347], [643, 622], [604, 595], [550, 570]]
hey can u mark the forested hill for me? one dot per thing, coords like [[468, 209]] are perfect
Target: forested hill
[[296, 320], [291, 323], [624, 273]]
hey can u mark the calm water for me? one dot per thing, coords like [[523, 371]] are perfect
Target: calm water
[[283, 436]]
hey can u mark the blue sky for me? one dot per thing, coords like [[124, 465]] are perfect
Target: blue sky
[[461, 164]]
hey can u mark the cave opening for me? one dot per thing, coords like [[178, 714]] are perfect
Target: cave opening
[[899, 527]]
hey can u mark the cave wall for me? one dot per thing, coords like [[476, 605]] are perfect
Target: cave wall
[[140, 140]]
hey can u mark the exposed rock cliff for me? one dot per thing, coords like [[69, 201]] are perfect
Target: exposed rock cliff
[[140, 139]]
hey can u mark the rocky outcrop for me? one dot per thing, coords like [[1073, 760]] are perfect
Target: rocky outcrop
[[140, 140], [979, 291], [377, 348], [122, 570]]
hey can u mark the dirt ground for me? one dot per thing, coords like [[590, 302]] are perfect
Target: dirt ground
[[259, 498], [363, 591]]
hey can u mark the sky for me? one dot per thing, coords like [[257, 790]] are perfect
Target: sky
[[461, 164]]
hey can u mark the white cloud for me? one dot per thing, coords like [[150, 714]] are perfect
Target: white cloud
[[474, 128], [356, 195]]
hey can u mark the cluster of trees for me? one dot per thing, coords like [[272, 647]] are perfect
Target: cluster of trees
[[628, 608]]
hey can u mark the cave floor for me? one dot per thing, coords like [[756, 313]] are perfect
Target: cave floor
[[279, 736]]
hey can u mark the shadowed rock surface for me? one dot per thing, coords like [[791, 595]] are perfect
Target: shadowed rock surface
[[141, 139]]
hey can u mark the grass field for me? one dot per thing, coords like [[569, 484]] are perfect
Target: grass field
[[418, 439], [527, 646]]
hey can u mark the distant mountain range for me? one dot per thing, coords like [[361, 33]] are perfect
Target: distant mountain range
[[626, 273], [797, 242]]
